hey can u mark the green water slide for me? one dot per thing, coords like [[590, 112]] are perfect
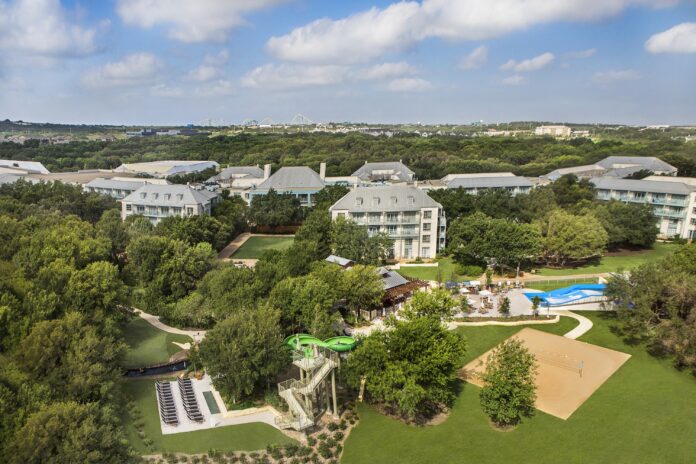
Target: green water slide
[[339, 344]]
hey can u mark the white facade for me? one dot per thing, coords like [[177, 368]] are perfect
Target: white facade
[[406, 214], [673, 200], [167, 168], [156, 202], [119, 187], [553, 131]]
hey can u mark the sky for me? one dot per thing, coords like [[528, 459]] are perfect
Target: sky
[[174, 62]]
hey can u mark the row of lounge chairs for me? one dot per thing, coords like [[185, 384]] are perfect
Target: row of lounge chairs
[[189, 399], [166, 403]]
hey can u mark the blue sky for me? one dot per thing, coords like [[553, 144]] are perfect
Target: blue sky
[[435, 61]]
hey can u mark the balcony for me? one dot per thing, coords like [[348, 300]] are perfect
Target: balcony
[[669, 214]]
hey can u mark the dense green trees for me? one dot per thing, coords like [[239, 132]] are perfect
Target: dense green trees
[[245, 352], [570, 238], [437, 304], [627, 224], [409, 368], [509, 391], [71, 432], [352, 241], [656, 304], [479, 239], [274, 209]]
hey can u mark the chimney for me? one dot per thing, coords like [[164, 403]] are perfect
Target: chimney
[[266, 171], [322, 171]]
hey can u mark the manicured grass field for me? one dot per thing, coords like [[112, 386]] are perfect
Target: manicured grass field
[[231, 438], [644, 414], [255, 246], [548, 285], [614, 263], [148, 345], [441, 273]]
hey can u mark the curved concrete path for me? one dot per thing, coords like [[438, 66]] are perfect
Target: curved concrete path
[[196, 335], [583, 327]]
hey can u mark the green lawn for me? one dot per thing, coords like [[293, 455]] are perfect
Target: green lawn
[[548, 285], [440, 273], [644, 414], [148, 345], [255, 246], [231, 438], [614, 263]]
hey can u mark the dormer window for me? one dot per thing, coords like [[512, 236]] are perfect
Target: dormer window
[[143, 195], [180, 196], [375, 201], [155, 195], [411, 200], [393, 201], [359, 201], [167, 196]]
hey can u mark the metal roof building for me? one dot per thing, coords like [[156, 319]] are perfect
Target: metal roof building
[[390, 171]]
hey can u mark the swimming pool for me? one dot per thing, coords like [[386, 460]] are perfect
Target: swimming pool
[[568, 295]]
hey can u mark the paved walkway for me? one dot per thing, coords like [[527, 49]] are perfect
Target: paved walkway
[[196, 335], [234, 245], [582, 328]]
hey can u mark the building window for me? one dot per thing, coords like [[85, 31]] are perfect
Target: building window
[[426, 227], [129, 207], [392, 217], [391, 230], [425, 238], [341, 215], [425, 252], [427, 214], [140, 209], [189, 210], [375, 201], [358, 201]]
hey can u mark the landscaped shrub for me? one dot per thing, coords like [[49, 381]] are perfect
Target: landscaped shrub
[[291, 449], [325, 450], [331, 442], [468, 270], [338, 436], [311, 441], [323, 436], [332, 426]]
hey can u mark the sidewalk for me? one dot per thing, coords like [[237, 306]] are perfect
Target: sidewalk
[[196, 335], [233, 246]]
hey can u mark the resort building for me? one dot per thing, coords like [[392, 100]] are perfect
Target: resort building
[[156, 202], [387, 172], [474, 184], [616, 166], [22, 167], [299, 181], [673, 200], [553, 131], [167, 168], [119, 187], [406, 214]]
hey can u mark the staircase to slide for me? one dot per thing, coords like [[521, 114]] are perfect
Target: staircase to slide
[[316, 364]]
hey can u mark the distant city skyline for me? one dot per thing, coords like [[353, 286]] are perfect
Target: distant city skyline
[[173, 62]]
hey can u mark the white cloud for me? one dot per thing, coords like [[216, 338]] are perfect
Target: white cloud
[[581, 54], [515, 79], [218, 59], [219, 88], [189, 20], [163, 90], [135, 69], [203, 73], [475, 59], [385, 71], [528, 65], [370, 34], [678, 39], [409, 84], [285, 76], [615, 75], [41, 27]]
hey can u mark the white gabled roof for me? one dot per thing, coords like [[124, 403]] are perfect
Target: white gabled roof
[[293, 177], [32, 167], [385, 198], [169, 195]]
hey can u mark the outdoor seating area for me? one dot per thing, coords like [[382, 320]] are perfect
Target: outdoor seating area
[[188, 398], [165, 400]]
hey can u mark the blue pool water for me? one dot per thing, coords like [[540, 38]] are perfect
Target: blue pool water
[[568, 295]]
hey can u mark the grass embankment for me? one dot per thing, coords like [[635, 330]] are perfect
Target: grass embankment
[[255, 246], [245, 437], [148, 345], [444, 271], [644, 413], [613, 262]]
